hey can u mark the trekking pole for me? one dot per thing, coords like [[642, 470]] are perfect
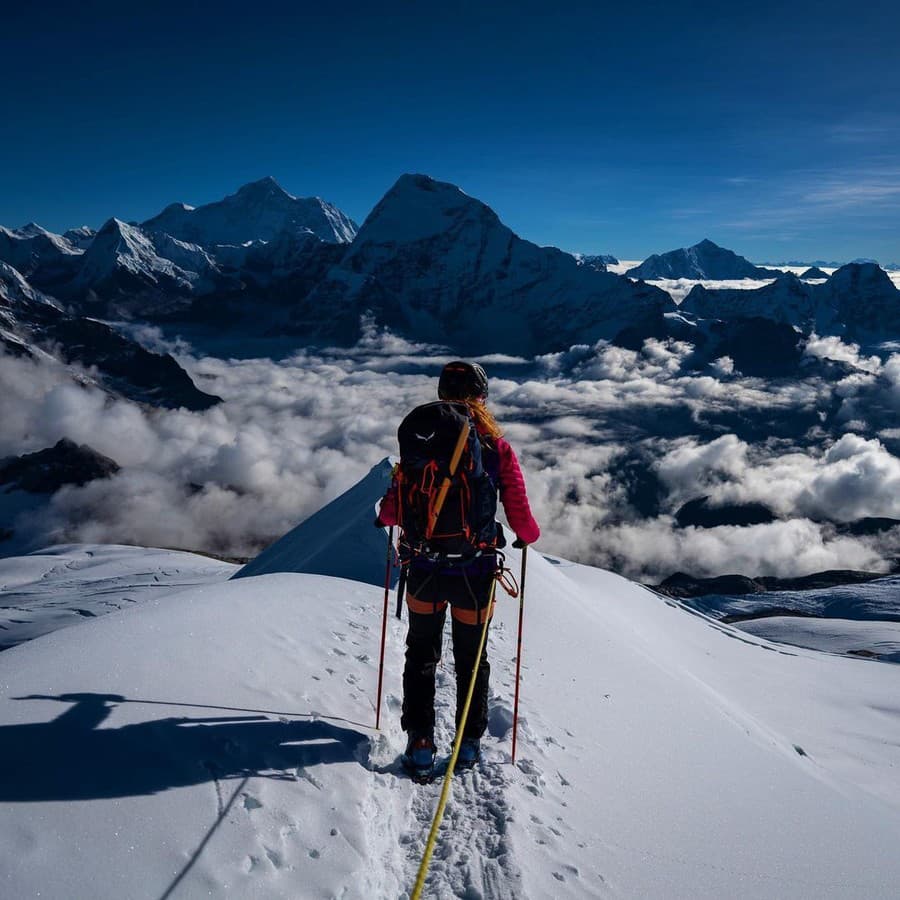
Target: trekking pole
[[519, 651], [387, 588]]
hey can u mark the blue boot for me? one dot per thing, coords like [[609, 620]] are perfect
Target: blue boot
[[418, 759], [469, 753]]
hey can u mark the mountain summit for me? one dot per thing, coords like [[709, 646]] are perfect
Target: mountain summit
[[705, 260], [259, 211], [434, 263]]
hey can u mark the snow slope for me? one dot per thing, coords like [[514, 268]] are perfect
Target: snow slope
[[218, 741], [65, 584], [347, 522]]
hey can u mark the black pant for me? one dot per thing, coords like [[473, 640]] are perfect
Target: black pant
[[423, 651]]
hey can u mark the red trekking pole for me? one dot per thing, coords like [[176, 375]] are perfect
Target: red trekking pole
[[387, 588], [519, 651]]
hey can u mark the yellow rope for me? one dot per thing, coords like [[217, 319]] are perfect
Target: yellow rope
[[445, 792]]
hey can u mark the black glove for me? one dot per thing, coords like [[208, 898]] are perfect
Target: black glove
[[519, 544]]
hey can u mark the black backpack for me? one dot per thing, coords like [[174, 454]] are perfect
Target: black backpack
[[463, 522]]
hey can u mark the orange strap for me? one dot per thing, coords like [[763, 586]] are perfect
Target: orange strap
[[424, 607], [466, 616], [445, 486], [470, 616]]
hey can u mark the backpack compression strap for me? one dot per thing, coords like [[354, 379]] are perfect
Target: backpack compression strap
[[445, 486]]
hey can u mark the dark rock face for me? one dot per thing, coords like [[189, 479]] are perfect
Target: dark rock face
[[636, 474], [699, 513], [869, 525], [32, 320], [683, 585], [759, 347], [128, 368], [864, 298], [813, 272], [45, 471]]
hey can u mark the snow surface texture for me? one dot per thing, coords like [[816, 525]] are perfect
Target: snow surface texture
[[219, 742], [858, 619], [64, 585]]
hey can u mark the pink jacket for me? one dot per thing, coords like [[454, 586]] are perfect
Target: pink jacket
[[512, 496]]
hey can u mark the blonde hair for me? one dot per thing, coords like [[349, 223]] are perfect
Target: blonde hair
[[484, 419]]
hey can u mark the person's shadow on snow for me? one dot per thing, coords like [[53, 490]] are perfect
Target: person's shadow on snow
[[72, 758]]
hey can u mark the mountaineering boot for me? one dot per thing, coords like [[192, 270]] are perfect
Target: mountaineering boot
[[469, 753], [418, 759]]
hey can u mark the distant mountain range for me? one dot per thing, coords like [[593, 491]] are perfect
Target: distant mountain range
[[859, 302], [823, 264], [429, 262]]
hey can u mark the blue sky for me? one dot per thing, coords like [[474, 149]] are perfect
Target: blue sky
[[773, 129]]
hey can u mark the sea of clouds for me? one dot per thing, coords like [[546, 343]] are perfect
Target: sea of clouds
[[612, 442]]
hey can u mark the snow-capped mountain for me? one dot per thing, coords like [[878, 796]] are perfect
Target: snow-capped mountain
[[595, 261], [256, 238], [38, 254], [430, 263], [434, 263], [129, 272], [80, 238], [703, 261], [259, 211], [859, 301]]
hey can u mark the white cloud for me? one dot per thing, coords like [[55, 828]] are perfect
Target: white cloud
[[834, 348], [291, 435]]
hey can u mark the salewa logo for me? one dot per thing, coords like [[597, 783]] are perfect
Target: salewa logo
[[422, 437]]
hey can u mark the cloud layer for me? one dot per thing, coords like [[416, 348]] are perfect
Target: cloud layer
[[612, 441]]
